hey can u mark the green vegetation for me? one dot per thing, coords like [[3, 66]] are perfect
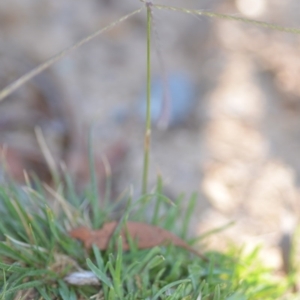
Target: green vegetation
[[36, 254]]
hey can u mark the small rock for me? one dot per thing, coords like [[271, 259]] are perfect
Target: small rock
[[82, 278]]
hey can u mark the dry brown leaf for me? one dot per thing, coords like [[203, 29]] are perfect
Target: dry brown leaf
[[145, 236], [15, 161]]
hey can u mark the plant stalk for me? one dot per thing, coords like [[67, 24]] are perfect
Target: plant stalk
[[148, 109]]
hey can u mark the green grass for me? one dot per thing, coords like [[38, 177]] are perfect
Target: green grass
[[36, 254]]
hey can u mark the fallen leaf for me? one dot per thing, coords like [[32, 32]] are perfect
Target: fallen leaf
[[145, 236], [15, 161]]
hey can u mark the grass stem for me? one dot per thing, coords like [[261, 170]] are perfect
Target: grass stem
[[148, 110]]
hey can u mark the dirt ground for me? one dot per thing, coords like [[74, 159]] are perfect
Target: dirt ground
[[237, 144]]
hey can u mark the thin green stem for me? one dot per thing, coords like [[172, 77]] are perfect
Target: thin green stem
[[95, 199], [148, 111]]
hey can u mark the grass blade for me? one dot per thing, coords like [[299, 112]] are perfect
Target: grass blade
[[101, 275]]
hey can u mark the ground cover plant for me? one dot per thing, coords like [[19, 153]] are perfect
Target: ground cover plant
[[40, 260]]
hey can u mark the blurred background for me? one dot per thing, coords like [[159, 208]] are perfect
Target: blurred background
[[233, 131]]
